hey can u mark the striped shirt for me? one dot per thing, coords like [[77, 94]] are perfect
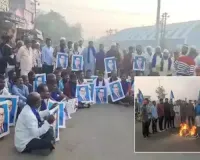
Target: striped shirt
[[184, 66]]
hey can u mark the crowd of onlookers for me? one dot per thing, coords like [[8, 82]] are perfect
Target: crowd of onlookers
[[162, 116]]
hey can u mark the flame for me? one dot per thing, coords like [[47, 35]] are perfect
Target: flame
[[185, 130]]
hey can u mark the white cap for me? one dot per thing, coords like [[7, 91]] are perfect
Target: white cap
[[165, 51], [63, 38]]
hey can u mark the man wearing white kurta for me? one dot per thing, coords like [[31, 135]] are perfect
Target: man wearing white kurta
[[25, 58], [31, 133]]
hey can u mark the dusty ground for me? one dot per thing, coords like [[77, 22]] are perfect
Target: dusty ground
[[167, 141]]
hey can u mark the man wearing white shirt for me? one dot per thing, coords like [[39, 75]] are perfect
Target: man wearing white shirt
[[31, 133], [80, 46], [25, 58]]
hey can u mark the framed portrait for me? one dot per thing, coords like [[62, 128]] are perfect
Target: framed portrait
[[39, 79], [110, 64], [101, 95], [77, 63], [4, 119], [116, 91], [83, 93], [12, 102], [91, 91], [55, 113], [139, 63], [62, 115], [62, 60], [94, 77]]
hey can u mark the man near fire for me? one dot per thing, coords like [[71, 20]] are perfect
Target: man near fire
[[197, 118]]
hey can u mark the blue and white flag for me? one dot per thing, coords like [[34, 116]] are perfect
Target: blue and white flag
[[140, 97], [171, 95]]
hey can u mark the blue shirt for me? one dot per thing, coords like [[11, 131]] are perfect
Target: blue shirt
[[22, 92], [47, 55], [197, 110], [154, 112]]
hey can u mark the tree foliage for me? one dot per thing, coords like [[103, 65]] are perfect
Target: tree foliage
[[54, 26], [160, 91]]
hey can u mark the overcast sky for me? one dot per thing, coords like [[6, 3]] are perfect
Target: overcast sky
[[182, 87], [96, 16]]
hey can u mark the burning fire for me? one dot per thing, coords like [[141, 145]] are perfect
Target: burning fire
[[185, 130]]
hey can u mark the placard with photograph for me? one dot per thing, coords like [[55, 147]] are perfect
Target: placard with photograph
[[139, 63], [12, 106], [77, 63], [39, 79], [4, 119], [62, 60], [116, 91], [110, 64], [56, 115], [83, 93], [101, 95]]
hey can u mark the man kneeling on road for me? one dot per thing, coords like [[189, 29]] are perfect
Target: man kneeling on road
[[32, 132]]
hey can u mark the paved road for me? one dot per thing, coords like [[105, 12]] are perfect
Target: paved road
[[167, 141], [98, 133]]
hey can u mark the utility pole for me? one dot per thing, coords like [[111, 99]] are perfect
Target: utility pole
[[163, 28], [158, 22], [36, 3]]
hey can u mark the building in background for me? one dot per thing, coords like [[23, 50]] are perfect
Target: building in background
[[176, 34], [26, 10]]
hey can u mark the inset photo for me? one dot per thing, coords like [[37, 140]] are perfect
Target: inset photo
[[167, 114]]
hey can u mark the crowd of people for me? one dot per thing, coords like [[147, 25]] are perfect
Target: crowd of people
[[33, 125], [162, 116]]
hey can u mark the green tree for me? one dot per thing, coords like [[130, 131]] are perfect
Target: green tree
[[54, 25], [160, 91]]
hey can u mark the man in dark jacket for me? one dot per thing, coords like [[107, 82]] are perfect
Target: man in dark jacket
[[145, 119], [190, 113], [172, 114], [167, 114]]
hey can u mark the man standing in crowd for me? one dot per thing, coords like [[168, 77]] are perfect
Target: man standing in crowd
[[100, 59], [47, 57], [167, 114], [190, 113], [62, 48], [172, 114], [69, 48], [80, 46], [156, 60], [183, 111], [148, 56], [154, 116], [139, 53], [113, 52], [145, 119], [160, 109], [127, 62], [89, 57], [197, 118], [185, 64], [25, 57]]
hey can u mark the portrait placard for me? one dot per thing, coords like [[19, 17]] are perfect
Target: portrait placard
[[139, 63], [116, 91], [101, 95], [83, 93], [4, 119], [77, 63], [12, 106], [62, 60], [110, 64]]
